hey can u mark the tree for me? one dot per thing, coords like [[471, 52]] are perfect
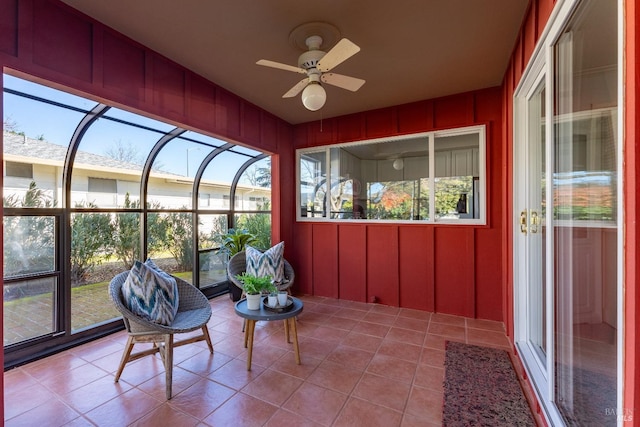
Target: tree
[[90, 242], [259, 176], [257, 225], [29, 244], [156, 231], [448, 191], [126, 234], [179, 238], [10, 125], [124, 153], [34, 198], [216, 236]]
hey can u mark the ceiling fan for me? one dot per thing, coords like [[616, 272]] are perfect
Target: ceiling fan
[[317, 64]]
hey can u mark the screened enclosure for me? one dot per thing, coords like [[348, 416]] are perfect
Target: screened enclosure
[[89, 188]]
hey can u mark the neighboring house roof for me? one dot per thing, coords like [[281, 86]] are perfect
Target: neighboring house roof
[[24, 146], [27, 149]]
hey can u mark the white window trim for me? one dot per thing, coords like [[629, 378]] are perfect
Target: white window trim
[[431, 136]]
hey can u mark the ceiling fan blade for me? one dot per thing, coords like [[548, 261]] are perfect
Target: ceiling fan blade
[[345, 82], [281, 66], [342, 51], [296, 89]]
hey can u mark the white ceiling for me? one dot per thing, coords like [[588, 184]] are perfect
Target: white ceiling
[[410, 49]]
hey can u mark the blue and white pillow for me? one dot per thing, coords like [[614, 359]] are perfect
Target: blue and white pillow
[[149, 263], [270, 263], [151, 293]]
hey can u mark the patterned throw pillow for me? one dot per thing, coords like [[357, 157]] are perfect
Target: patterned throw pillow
[[270, 263], [151, 295], [149, 263]]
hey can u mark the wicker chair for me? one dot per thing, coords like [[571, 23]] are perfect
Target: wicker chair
[[238, 265], [194, 312]]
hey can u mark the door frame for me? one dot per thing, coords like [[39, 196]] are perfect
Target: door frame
[[542, 63], [542, 378]]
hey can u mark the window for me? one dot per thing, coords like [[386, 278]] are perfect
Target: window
[[19, 170], [103, 185], [111, 204], [428, 177], [204, 200]]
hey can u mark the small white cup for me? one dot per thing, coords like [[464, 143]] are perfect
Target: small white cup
[[282, 298], [272, 300]]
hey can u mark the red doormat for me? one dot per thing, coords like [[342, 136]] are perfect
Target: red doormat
[[481, 388]]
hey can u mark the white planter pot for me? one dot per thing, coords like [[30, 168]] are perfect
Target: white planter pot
[[253, 302]]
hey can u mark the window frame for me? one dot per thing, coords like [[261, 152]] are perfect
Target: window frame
[[102, 183], [11, 167], [72, 165], [431, 136]]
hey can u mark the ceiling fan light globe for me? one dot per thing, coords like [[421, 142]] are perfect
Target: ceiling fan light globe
[[314, 97]]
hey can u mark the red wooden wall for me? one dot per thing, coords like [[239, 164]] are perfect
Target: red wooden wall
[[449, 269], [417, 266]]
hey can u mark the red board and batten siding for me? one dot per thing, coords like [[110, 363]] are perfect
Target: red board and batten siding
[[416, 259], [449, 269], [352, 263]]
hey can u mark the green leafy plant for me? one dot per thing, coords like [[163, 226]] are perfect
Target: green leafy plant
[[179, 238], [126, 234], [29, 241], [258, 224], [91, 241], [236, 240], [254, 285]]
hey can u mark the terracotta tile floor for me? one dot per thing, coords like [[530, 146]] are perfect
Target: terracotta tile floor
[[362, 364]]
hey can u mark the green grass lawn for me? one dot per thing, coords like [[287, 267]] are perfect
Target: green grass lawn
[[32, 316]]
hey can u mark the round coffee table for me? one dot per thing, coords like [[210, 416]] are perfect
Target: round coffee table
[[252, 316]]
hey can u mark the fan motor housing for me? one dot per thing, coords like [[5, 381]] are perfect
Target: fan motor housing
[[310, 59]]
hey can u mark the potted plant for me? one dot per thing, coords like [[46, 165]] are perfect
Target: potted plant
[[253, 287], [234, 241]]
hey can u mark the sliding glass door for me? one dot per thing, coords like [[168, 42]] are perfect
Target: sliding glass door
[[566, 250]]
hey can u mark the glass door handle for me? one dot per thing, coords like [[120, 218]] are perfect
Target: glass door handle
[[535, 221]]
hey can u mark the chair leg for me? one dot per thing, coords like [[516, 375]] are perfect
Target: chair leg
[[125, 357], [168, 363], [207, 337]]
